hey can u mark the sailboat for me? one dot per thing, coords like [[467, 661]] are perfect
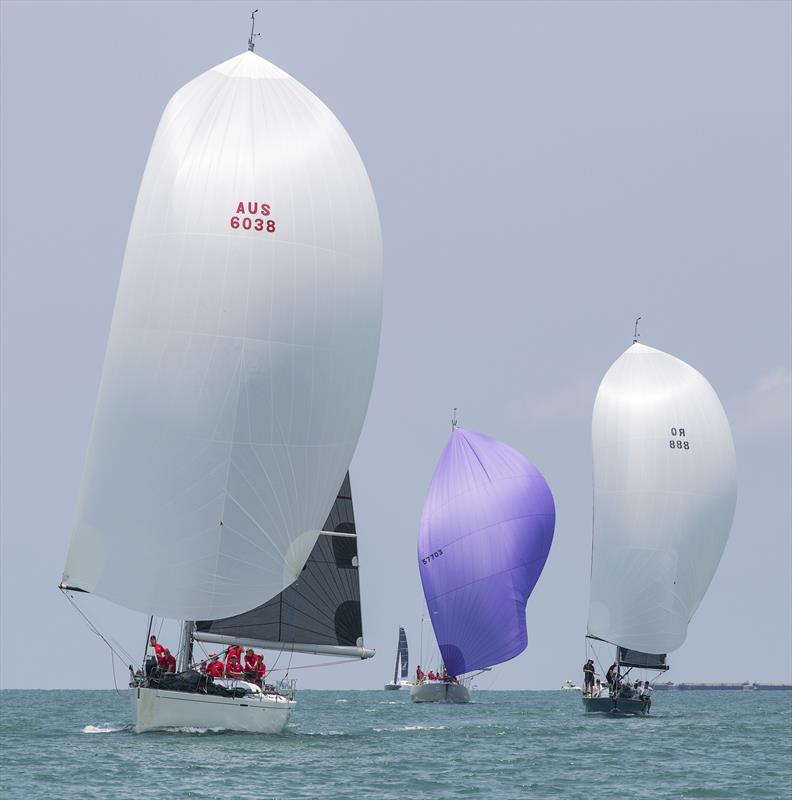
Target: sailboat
[[402, 667], [235, 384], [485, 534], [665, 490]]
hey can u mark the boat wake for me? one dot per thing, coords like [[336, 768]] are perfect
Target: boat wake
[[105, 728]]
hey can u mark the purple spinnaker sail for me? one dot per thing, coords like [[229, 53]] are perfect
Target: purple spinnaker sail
[[486, 530]]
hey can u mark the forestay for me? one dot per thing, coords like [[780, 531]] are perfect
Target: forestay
[[486, 530], [664, 498], [241, 353]]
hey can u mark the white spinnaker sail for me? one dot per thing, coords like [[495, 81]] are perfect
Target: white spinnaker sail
[[241, 354], [664, 496]]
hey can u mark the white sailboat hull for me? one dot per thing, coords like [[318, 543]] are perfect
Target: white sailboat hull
[[392, 686], [439, 693], [157, 708]]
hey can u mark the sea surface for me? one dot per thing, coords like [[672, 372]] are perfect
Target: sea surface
[[340, 745]]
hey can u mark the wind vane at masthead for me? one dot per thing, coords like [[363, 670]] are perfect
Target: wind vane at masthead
[[251, 43]]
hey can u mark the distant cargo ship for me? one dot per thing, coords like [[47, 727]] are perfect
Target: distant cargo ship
[[738, 687]]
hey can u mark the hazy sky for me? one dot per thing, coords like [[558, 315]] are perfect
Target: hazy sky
[[545, 172]]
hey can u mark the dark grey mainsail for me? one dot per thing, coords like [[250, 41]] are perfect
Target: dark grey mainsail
[[404, 655], [320, 611], [402, 658], [635, 658]]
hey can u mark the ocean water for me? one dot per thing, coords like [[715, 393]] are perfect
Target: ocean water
[[340, 745]]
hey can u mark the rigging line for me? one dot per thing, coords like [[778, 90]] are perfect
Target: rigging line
[[125, 656], [95, 629], [291, 656], [597, 659], [112, 666], [277, 658]]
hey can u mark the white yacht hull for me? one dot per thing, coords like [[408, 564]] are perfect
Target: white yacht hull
[[401, 684], [434, 692], [157, 708]]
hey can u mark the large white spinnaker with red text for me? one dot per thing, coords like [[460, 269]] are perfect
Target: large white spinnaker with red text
[[241, 354]]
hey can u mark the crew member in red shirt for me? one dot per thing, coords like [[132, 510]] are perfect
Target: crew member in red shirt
[[232, 666], [215, 667], [153, 654], [168, 663], [251, 665], [261, 671], [419, 675], [155, 647], [431, 675]]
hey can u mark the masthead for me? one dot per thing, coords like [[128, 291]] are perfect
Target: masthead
[[251, 43]]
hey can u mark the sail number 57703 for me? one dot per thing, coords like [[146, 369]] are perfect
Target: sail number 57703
[[432, 556]]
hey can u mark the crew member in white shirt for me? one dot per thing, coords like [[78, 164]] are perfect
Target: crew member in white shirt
[[646, 697]]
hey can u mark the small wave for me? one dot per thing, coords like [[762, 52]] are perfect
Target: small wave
[[103, 728], [342, 701], [424, 728]]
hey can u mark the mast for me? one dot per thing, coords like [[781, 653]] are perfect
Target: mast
[[185, 650], [148, 636], [251, 43]]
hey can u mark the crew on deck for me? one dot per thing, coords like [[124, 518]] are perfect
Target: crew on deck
[[154, 652], [255, 668], [588, 678], [166, 662], [214, 667], [610, 677], [419, 674], [646, 696], [233, 666]]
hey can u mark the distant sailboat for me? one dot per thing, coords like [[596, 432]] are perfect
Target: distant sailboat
[[486, 531], [664, 496], [236, 380], [402, 668]]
